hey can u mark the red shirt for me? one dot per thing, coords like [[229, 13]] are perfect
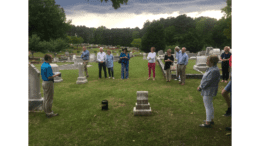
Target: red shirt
[[230, 61]]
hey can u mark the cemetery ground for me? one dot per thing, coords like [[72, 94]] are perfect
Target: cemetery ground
[[177, 111]]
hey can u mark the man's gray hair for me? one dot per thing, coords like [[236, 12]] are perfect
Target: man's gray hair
[[177, 47]]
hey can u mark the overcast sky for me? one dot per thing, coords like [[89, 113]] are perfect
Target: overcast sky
[[93, 13]]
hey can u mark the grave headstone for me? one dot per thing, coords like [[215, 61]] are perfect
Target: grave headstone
[[74, 57], [92, 57], [67, 53], [201, 63], [142, 105], [144, 56], [35, 99], [55, 68], [81, 79], [55, 59], [208, 49], [160, 52]]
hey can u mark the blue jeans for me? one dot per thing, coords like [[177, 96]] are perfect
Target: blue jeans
[[229, 89], [124, 69]]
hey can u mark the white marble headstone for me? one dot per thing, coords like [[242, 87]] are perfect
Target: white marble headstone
[[201, 60], [55, 68]]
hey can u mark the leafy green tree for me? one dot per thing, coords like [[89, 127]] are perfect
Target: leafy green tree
[[137, 43], [154, 37], [35, 45], [57, 45], [135, 35], [74, 40], [169, 35], [228, 15], [218, 37], [47, 20]]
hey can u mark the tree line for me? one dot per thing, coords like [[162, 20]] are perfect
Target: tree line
[[48, 27]]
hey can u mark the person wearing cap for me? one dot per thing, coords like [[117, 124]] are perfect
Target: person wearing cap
[[178, 56], [101, 57], [124, 56], [151, 62], [209, 88], [85, 57], [110, 64], [47, 85]]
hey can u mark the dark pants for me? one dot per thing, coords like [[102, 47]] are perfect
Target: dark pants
[[100, 65], [225, 72], [110, 71]]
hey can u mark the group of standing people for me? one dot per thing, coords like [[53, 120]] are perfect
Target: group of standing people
[[182, 61], [107, 61]]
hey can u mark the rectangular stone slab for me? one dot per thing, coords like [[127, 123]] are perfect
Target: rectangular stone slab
[[142, 106], [145, 112]]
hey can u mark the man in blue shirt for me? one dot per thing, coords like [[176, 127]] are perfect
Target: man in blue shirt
[[47, 85], [85, 57], [183, 61], [178, 55]]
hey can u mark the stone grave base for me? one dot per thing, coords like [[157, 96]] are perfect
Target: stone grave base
[[58, 79], [200, 68], [36, 104], [81, 80], [142, 112]]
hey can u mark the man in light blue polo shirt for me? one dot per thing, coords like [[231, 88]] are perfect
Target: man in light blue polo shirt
[[183, 61], [178, 56], [85, 57], [47, 85]]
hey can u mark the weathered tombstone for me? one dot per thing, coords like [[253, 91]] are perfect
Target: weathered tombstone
[[67, 53], [201, 63], [144, 56], [142, 104], [68, 59], [216, 51], [160, 52], [193, 57], [92, 57], [56, 59], [78, 60], [74, 57], [35, 99], [116, 58], [208, 50], [55, 68], [81, 79], [187, 52]]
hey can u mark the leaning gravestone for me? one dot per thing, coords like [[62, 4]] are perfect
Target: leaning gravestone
[[201, 63], [142, 104], [81, 79], [144, 56], [35, 99], [55, 68]]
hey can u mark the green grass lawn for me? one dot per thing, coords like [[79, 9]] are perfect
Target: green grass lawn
[[176, 112]]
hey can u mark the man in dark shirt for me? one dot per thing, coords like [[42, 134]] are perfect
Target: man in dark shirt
[[47, 85]]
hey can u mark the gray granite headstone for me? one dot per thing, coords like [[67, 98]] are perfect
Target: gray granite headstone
[[35, 99], [142, 105]]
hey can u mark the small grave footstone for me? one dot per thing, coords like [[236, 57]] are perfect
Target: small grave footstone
[[142, 105], [81, 79]]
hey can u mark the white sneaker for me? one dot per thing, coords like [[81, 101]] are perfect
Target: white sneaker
[[109, 77], [113, 78]]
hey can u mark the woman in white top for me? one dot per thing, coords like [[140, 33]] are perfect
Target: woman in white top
[[151, 62]]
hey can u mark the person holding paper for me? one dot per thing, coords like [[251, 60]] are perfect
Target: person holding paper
[[151, 62]]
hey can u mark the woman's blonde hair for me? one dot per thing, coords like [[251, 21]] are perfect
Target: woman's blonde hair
[[213, 59]]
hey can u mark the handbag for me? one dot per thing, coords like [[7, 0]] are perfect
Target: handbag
[[119, 61]]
